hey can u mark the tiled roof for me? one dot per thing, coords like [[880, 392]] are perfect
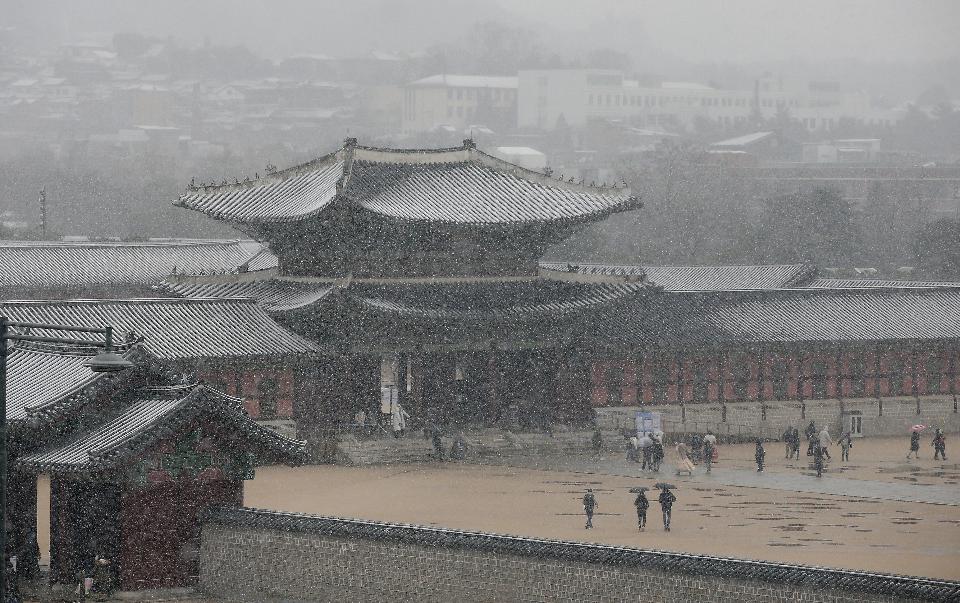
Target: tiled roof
[[455, 186], [899, 588], [41, 377], [699, 278], [45, 265], [468, 81], [172, 328], [265, 260], [274, 295], [291, 194], [154, 414], [871, 283], [489, 300], [797, 315]]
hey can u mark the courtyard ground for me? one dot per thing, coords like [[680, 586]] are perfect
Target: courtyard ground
[[869, 523]]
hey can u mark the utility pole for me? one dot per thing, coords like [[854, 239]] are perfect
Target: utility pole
[[43, 213]]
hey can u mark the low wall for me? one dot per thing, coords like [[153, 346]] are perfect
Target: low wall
[[256, 555], [887, 416]]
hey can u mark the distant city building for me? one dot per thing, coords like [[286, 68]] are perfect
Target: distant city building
[[458, 101], [552, 97], [849, 150], [526, 157]]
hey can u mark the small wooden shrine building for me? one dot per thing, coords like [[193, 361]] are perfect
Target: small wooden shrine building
[[134, 457]]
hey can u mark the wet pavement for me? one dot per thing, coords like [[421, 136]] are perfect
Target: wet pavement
[[804, 481]]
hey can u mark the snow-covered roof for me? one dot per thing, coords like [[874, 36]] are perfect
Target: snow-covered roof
[[745, 140], [468, 81]]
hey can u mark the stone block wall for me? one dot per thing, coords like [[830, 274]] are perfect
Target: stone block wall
[[257, 555], [885, 417]]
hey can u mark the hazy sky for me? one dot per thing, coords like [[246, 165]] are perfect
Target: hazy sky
[[692, 30]]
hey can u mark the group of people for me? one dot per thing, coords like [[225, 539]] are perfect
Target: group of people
[[642, 504], [646, 450], [939, 444]]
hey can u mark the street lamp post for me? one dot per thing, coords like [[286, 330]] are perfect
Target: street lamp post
[[104, 362]]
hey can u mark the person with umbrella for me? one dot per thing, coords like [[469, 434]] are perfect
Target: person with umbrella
[[915, 440], [825, 441], [666, 499], [758, 455], [709, 441], [642, 504], [646, 450], [656, 454], [939, 445], [589, 505]]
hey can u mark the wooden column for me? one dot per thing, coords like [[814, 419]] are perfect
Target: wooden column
[[877, 367], [761, 383]]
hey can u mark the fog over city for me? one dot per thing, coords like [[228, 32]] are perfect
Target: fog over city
[[479, 300]]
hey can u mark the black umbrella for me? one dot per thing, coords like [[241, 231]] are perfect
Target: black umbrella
[[638, 489], [663, 486]]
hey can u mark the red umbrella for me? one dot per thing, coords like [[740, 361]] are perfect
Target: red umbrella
[[918, 427]]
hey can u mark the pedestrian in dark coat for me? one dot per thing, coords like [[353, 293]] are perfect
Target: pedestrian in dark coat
[[666, 504], [642, 504], [811, 433], [939, 446], [846, 443], [796, 443], [914, 444], [818, 459], [656, 455], [589, 505], [758, 455]]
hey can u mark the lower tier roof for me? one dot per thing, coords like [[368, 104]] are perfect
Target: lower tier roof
[[171, 328]]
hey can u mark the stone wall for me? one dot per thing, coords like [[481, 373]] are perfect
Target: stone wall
[[259, 555], [887, 416]]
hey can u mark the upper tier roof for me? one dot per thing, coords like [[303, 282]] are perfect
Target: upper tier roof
[[451, 186], [65, 265]]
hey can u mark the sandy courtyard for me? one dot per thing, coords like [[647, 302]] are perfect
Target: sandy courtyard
[[905, 538]]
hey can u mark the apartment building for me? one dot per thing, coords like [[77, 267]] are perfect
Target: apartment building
[[459, 101], [580, 95]]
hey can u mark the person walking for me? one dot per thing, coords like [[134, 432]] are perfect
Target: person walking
[[818, 458], [683, 459], [914, 445], [939, 446], [810, 432], [825, 442], [796, 443], [398, 419], [589, 505], [758, 455], [708, 442], [642, 504], [846, 443], [666, 504], [646, 449], [656, 455], [788, 442], [596, 441]]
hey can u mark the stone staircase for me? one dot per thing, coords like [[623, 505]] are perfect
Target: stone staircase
[[484, 443]]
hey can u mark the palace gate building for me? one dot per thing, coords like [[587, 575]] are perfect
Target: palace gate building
[[420, 270]]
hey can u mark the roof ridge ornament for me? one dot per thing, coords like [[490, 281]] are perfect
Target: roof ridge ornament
[[468, 143]]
